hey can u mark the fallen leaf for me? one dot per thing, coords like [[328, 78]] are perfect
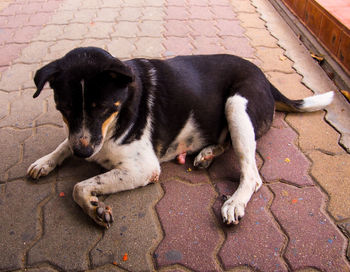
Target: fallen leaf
[[287, 160], [319, 58], [62, 194], [346, 94], [294, 200]]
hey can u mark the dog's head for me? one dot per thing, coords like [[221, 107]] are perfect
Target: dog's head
[[90, 87]]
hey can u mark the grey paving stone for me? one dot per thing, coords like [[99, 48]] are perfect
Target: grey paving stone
[[50, 115], [69, 233], [24, 110], [43, 142], [135, 230], [11, 146], [20, 219]]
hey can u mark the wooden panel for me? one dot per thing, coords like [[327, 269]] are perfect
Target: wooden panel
[[330, 34], [344, 52], [299, 8], [313, 17]]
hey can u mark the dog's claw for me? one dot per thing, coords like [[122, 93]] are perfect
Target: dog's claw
[[104, 215]]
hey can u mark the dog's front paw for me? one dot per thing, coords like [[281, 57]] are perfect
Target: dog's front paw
[[104, 215], [232, 211], [41, 167]]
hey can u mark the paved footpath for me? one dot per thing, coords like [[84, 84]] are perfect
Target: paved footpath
[[298, 221]]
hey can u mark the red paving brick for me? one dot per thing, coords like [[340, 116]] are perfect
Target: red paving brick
[[191, 234], [314, 241], [257, 241], [282, 159]]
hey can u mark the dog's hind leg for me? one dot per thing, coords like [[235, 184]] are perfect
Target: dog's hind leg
[[206, 156], [46, 164], [243, 140]]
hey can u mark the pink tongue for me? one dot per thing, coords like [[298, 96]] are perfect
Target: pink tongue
[[181, 158]]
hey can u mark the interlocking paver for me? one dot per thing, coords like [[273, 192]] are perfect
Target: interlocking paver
[[202, 13], [237, 46], [49, 33], [258, 38], [176, 28], [250, 20], [68, 235], [99, 30], [50, 115], [202, 28], [192, 242], [24, 110], [17, 77], [178, 46], [34, 52], [148, 47], [282, 159], [257, 241], [226, 166], [207, 45], [336, 184], [135, 231], [184, 172], [132, 14], [19, 220], [152, 13], [125, 29], [33, 148], [229, 28], [310, 124], [314, 240], [223, 12], [11, 148], [274, 60], [150, 29], [121, 47]]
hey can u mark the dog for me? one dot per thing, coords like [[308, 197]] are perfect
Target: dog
[[130, 116]]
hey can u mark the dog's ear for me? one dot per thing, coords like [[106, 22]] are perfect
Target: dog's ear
[[44, 75], [120, 71]]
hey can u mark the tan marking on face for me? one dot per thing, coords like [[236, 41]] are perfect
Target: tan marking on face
[[106, 123], [117, 103], [65, 120]]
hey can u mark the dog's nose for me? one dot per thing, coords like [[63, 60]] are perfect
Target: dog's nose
[[83, 148], [84, 141]]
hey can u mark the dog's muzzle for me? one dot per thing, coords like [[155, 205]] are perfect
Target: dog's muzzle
[[83, 148]]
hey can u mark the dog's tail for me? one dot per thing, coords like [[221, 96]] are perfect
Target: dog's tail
[[309, 104]]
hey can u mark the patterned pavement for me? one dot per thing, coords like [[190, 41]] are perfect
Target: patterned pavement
[[298, 221]]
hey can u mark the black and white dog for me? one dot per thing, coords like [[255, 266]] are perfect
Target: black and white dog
[[131, 116]]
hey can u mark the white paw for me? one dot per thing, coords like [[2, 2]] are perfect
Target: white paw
[[232, 210], [41, 167]]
